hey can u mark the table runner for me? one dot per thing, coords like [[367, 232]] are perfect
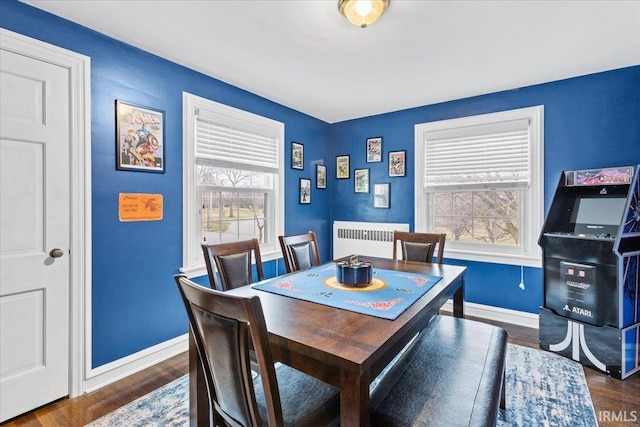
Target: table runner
[[388, 296]]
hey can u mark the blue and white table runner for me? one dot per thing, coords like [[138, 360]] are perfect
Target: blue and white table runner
[[388, 296]]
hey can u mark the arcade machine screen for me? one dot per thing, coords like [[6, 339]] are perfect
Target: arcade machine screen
[[598, 216]]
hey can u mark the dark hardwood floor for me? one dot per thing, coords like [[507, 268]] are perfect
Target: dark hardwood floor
[[81, 410], [617, 403]]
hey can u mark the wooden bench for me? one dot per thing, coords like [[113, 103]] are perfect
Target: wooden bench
[[452, 376]]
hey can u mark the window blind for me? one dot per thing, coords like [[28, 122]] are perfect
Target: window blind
[[226, 141], [487, 156]]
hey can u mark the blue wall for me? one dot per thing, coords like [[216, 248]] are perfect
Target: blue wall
[[135, 303], [590, 121]]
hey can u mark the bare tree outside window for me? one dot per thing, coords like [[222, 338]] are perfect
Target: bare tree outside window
[[490, 216], [233, 203]]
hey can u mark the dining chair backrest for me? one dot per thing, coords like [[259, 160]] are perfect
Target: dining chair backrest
[[233, 262], [418, 246], [222, 325], [300, 251]]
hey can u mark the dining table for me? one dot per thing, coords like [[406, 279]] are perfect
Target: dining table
[[345, 349]]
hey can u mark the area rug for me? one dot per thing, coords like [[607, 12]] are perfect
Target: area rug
[[543, 389]]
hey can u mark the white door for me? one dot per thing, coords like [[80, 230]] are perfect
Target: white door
[[34, 233]]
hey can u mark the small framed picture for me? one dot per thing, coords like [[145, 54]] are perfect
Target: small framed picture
[[297, 155], [397, 163], [139, 138], [342, 167], [305, 191], [374, 149], [381, 195], [361, 181], [321, 176]]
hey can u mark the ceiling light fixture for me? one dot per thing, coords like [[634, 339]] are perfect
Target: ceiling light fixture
[[362, 12]]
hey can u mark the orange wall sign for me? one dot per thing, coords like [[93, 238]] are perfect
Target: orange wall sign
[[140, 207]]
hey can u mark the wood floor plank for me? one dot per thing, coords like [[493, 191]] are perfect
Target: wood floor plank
[[617, 403], [81, 410]]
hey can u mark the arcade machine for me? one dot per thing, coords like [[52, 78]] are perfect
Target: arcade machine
[[591, 261]]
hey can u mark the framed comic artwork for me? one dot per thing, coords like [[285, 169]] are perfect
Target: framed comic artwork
[[381, 195], [374, 149], [297, 155], [397, 163], [342, 167], [321, 176], [140, 144], [361, 180], [305, 191]]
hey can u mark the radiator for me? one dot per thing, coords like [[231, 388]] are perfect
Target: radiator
[[364, 238]]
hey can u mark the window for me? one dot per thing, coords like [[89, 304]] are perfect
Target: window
[[479, 179], [232, 179]]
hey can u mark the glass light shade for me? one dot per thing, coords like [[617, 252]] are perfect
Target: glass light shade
[[362, 12]]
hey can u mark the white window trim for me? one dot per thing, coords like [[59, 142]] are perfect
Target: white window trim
[[192, 260], [529, 253]]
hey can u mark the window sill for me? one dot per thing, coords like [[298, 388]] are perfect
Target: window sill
[[194, 271], [496, 258]]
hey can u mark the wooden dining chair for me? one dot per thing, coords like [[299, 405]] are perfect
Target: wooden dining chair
[[418, 246], [233, 262], [223, 325], [300, 251]]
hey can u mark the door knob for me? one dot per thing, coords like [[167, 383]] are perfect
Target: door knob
[[56, 253]]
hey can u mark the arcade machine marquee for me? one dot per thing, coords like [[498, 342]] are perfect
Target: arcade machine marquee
[[591, 261]]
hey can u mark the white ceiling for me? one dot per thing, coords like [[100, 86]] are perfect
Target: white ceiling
[[305, 55]]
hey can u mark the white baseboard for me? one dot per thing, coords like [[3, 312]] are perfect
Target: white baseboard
[[121, 368], [514, 317]]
